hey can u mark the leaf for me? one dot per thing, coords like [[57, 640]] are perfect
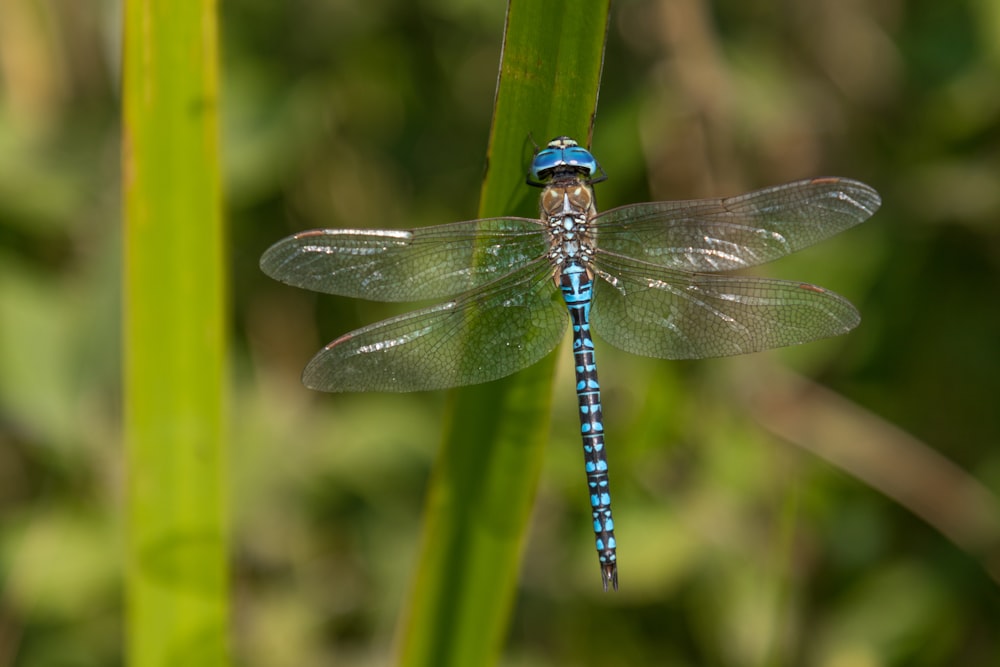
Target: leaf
[[483, 488], [175, 334]]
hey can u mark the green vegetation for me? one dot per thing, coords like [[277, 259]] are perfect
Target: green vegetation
[[484, 483], [824, 505], [174, 340]]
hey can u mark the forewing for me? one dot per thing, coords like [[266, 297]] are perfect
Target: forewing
[[484, 335], [405, 265], [655, 312], [738, 232]]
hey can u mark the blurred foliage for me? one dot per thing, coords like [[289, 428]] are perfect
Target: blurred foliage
[[762, 519]]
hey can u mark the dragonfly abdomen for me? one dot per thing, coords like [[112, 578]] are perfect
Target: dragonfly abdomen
[[577, 289]]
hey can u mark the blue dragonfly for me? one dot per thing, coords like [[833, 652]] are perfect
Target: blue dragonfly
[[641, 275]]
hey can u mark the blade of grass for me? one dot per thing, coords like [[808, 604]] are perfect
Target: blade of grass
[[483, 487], [174, 336]]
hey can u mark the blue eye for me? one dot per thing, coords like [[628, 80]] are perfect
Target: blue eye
[[561, 153], [580, 158], [545, 161]]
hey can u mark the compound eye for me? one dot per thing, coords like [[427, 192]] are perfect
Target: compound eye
[[545, 161], [581, 158]]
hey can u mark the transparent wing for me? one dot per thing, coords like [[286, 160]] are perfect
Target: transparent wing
[[405, 265], [724, 234], [655, 312], [484, 335]]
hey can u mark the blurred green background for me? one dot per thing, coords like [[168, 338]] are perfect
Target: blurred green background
[[827, 505]]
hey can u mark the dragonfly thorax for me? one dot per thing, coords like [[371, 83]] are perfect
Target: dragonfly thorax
[[567, 211]]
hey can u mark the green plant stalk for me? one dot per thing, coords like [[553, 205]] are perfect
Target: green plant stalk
[[174, 330], [483, 487]]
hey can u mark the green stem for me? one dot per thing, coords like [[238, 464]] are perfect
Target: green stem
[[174, 336], [483, 488]]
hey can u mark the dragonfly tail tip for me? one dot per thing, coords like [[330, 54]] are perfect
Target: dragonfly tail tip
[[609, 574]]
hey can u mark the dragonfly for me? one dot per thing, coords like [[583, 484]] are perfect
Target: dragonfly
[[643, 276]]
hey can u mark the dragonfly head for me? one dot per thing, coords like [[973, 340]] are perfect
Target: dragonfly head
[[562, 158]]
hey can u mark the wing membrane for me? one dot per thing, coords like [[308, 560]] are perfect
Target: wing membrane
[[654, 312], [405, 265], [484, 335], [738, 232]]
